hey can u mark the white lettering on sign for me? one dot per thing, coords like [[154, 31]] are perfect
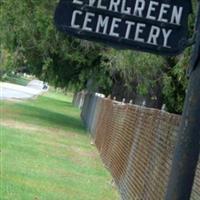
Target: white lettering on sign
[[78, 2], [102, 23], [128, 30], [166, 35], [91, 2], [125, 9], [139, 8], [114, 26], [99, 5], [163, 11], [176, 15], [87, 20], [133, 30], [166, 12], [139, 30], [152, 8], [114, 5], [75, 13], [154, 35]]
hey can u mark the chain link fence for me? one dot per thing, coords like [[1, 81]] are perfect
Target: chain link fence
[[135, 143]]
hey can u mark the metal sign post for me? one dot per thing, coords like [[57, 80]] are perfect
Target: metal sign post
[[188, 141]]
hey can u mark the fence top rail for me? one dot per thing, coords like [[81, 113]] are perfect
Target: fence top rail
[[135, 106]]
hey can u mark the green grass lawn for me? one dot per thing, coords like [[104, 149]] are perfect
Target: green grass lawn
[[46, 153]]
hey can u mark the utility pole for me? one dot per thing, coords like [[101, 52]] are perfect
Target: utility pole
[[187, 148]]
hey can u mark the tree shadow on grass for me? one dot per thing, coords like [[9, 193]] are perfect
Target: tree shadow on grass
[[57, 102], [41, 115]]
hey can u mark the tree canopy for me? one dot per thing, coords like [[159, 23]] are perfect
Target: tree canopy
[[29, 39]]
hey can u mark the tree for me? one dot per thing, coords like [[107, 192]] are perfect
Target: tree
[[29, 39], [29, 35]]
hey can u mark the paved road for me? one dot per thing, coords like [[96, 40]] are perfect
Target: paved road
[[13, 91]]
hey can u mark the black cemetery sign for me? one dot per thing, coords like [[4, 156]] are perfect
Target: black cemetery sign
[[159, 26]]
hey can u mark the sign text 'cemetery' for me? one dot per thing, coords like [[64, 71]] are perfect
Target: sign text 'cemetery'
[[152, 26]]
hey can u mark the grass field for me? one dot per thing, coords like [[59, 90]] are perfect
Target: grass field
[[46, 153]]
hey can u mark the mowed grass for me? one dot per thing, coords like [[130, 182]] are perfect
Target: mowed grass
[[46, 153]]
